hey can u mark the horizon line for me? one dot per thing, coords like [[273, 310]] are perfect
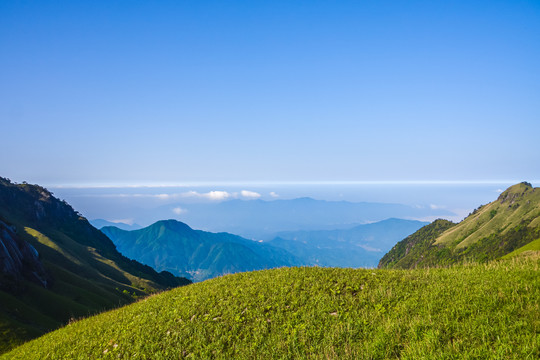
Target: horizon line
[[288, 183]]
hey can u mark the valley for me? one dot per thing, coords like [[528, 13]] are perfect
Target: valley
[[293, 295]]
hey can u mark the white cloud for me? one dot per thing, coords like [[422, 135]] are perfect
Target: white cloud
[[250, 194], [499, 191], [273, 194], [179, 210], [216, 195]]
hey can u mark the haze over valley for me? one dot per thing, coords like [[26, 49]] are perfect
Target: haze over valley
[[258, 211]]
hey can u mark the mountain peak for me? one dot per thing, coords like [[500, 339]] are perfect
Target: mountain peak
[[515, 191], [173, 224]]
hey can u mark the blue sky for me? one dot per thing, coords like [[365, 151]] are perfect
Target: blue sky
[[135, 92]]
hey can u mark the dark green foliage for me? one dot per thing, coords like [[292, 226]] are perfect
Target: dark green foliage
[[409, 252]]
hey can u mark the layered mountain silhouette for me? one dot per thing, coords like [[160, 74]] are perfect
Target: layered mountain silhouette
[[174, 246], [507, 226]]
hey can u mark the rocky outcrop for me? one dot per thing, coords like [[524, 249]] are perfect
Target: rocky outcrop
[[19, 260], [515, 193]]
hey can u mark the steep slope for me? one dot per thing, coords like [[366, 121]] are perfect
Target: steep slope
[[360, 246], [56, 266], [486, 311], [173, 246], [410, 251], [490, 232]]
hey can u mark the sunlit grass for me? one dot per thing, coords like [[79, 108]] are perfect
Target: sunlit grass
[[472, 311]]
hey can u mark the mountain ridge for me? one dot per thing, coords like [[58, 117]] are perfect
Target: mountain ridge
[[490, 232]]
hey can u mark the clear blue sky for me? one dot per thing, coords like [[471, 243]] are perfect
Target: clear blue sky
[[124, 92]]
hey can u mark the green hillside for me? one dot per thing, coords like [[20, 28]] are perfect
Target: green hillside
[[84, 272], [463, 312], [173, 246], [490, 232]]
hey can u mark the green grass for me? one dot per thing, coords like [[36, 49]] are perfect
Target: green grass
[[474, 311]]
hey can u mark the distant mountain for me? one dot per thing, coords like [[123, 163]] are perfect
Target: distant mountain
[[174, 246], [360, 246], [55, 266], [99, 223], [509, 225], [259, 219]]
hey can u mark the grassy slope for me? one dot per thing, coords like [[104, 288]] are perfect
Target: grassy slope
[[89, 275], [474, 311], [84, 283], [490, 232], [518, 205]]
